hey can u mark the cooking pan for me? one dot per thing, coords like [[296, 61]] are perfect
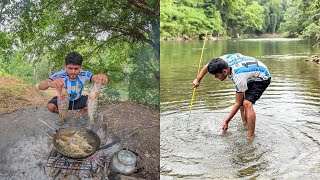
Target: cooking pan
[[90, 137]]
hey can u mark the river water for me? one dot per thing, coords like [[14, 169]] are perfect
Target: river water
[[287, 142]]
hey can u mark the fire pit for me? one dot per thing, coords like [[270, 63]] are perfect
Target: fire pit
[[90, 167], [62, 163]]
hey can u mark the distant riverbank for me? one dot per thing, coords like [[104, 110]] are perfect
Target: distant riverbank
[[213, 38]]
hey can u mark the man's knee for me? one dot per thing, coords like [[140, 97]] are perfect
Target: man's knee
[[247, 104], [52, 108]]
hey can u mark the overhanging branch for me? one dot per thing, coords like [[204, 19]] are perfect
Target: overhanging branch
[[143, 6]]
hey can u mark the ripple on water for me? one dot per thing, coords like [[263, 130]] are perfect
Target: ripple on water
[[287, 141], [196, 149]]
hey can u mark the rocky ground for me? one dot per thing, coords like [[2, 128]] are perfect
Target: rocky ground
[[315, 58]]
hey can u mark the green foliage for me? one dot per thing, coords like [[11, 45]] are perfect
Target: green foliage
[[142, 86], [303, 19], [189, 18], [253, 18], [312, 32], [228, 17], [274, 17], [6, 40], [231, 15], [109, 94], [11, 63], [292, 21]]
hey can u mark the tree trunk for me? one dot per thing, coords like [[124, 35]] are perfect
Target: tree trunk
[[49, 68], [35, 74]]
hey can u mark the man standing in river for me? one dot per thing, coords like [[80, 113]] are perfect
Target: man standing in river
[[251, 78]]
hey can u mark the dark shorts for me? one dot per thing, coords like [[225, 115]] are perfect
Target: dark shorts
[[78, 104], [255, 90]]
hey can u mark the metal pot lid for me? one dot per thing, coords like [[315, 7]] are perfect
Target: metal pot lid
[[127, 157]]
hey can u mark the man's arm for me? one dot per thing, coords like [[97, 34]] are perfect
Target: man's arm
[[45, 84], [58, 84], [234, 109], [203, 72], [99, 78]]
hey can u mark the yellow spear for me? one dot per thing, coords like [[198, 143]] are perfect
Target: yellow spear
[[200, 62]]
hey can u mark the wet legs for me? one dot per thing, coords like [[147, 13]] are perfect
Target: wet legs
[[250, 116], [243, 116]]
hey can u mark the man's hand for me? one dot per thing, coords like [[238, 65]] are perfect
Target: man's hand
[[203, 72], [58, 84], [100, 79], [224, 125], [196, 83]]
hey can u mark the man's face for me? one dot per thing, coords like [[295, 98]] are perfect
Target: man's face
[[73, 71], [222, 76]]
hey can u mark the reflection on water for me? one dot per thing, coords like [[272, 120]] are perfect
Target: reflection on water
[[288, 115]]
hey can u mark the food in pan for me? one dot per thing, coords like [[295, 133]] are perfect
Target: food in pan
[[74, 145]]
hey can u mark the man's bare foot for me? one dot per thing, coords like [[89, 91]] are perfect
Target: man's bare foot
[[250, 138]]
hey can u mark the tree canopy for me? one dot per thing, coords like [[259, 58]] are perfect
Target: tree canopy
[[303, 19]]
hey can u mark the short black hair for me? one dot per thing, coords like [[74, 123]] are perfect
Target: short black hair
[[74, 58], [217, 65]]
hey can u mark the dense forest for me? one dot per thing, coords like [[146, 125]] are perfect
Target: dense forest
[[117, 38], [234, 18]]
